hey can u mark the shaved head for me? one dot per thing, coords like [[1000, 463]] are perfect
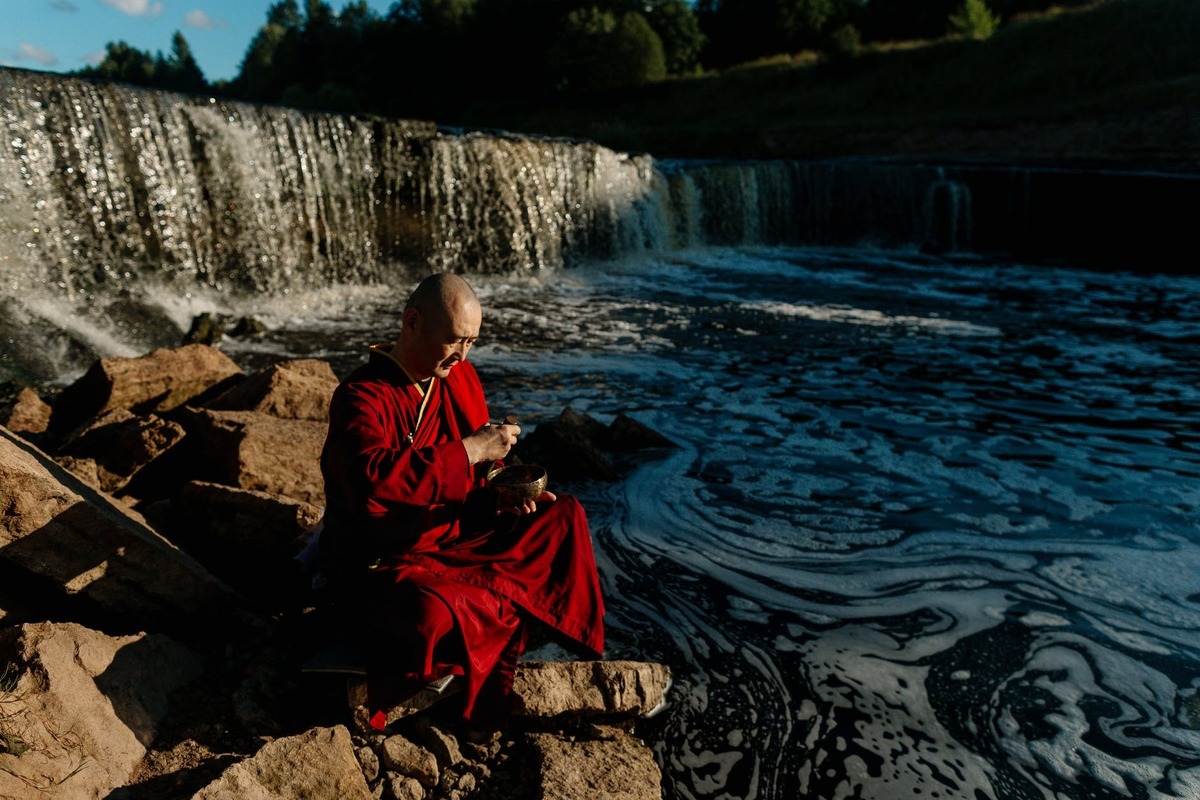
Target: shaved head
[[440, 325], [441, 292]]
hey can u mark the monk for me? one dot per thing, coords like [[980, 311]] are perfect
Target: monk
[[448, 584]]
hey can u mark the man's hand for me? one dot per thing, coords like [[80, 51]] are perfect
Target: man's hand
[[529, 506], [491, 442]]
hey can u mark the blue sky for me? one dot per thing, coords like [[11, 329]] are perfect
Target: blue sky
[[64, 35]]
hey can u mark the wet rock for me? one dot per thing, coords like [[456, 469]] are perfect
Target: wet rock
[[84, 699], [120, 444], [247, 326], [619, 769], [206, 329], [589, 688], [160, 381], [26, 413], [253, 450], [400, 754], [299, 389], [318, 763], [53, 526], [626, 434], [567, 448]]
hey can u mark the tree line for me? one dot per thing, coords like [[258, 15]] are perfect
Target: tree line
[[436, 58]]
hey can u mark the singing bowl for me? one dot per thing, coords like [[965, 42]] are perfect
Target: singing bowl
[[515, 484]]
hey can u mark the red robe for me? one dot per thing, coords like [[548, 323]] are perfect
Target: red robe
[[410, 525]]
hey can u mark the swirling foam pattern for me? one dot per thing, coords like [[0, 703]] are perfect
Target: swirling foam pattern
[[932, 529]]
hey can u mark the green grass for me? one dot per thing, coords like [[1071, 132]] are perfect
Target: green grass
[[1107, 62]]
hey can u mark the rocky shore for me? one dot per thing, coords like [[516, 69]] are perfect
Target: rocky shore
[[156, 623]]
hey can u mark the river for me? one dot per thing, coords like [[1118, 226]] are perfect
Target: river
[[932, 525]]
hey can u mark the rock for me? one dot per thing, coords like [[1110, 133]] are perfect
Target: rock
[[402, 787], [626, 434], [618, 769], [253, 450], [247, 326], [405, 756], [318, 763], [27, 413], [255, 524], [368, 761], [84, 698], [299, 389], [206, 329], [567, 448], [589, 688], [160, 381], [441, 743], [53, 526], [120, 444]]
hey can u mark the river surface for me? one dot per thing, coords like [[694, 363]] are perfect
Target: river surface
[[932, 528]]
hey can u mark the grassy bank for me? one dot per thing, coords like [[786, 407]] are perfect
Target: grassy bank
[[1116, 81]]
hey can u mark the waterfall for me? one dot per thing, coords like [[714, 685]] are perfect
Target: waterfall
[[109, 193]]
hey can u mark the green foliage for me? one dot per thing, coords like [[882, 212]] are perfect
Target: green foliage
[[974, 20], [598, 51], [845, 42], [679, 30], [178, 72]]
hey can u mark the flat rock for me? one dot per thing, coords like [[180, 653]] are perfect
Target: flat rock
[[589, 688], [121, 443], [253, 450], [158, 381], [402, 755], [298, 389], [616, 768], [318, 763], [55, 527], [84, 698]]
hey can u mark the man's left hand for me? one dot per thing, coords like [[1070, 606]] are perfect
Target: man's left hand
[[529, 506]]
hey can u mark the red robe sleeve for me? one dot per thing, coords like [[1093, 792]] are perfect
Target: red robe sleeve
[[379, 482]]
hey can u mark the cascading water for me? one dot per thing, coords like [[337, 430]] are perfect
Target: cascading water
[[111, 194]]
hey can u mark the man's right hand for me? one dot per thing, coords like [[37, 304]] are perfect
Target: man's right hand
[[491, 442]]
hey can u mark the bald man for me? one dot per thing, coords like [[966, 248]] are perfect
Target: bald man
[[447, 583]]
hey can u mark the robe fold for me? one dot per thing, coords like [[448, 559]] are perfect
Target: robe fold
[[406, 514]]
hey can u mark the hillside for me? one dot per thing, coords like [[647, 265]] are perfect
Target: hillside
[[1115, 82]]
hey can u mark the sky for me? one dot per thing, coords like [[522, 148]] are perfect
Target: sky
[[65, 35]]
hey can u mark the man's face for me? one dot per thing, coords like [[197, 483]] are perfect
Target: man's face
[[442, 338]]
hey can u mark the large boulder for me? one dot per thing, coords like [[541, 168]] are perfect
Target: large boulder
[[318, 763], [253, 450], [159, 381], [53, 526], [299, 389], [254, 524], [589, 688], [120, 443], [81, 708], [616, 767]]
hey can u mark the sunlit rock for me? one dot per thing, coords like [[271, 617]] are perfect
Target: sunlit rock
[[159, 381], [82, 707]]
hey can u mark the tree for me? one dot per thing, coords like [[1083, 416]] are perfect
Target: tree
[[181, 72], [123, 62], [595, 50], [679, 29], [973, 20]]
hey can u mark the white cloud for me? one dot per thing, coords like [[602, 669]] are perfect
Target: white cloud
[[95, 57], [198, 18], [64, 5], [136, 8], [38, 55]]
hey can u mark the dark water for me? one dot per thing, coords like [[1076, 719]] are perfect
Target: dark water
[[933, 528]]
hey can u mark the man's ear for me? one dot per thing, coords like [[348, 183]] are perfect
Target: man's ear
[[409, 321]]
